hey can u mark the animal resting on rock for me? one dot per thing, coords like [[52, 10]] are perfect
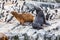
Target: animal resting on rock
[[39, 19], [24, 17], [3, 37]]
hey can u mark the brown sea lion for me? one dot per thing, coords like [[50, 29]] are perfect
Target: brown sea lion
[[3, 37], [24, 17]]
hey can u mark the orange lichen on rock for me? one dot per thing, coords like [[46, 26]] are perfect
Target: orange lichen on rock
[[24, 17]]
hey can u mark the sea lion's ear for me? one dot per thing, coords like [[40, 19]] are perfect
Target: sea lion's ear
[[12, 12]]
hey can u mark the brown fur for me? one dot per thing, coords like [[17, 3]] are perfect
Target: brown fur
[[3, 37], [24, 17]]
